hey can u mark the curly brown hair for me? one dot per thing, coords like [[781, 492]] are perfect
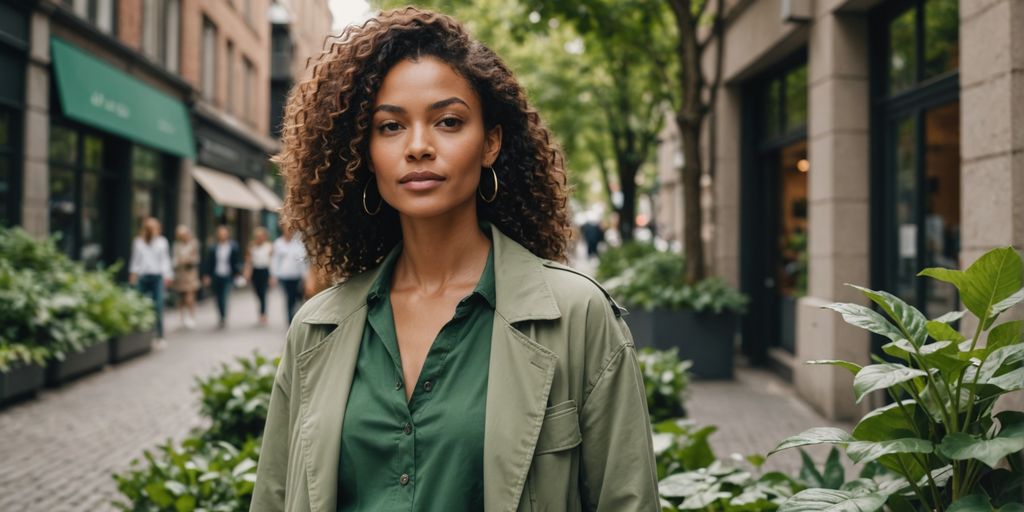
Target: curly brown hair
[[326, 136]]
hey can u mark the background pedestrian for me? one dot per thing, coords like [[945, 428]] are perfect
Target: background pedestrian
[[222, 265], [150, 268], [186, 274]]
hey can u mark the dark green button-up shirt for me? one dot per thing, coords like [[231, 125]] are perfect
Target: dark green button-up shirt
[[427, 454]]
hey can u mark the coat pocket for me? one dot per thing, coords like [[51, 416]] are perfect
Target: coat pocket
[[560, 430]]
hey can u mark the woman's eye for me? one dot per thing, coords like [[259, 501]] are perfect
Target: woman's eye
[[388, 127], [451, 122]]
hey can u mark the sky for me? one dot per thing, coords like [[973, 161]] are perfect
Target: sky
[[348, 11]]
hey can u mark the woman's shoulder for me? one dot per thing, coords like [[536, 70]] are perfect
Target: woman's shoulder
[[573, 287]]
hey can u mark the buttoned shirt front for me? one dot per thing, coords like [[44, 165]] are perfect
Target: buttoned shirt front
[[425, 454]]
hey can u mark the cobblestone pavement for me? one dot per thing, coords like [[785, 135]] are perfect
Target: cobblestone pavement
[[57, 452], [753, 413]]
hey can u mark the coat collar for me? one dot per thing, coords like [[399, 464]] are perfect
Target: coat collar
[[522, 293]]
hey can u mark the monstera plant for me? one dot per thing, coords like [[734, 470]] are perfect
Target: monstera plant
[[939, 433]]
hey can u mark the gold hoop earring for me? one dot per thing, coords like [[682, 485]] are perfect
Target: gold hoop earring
[[379, 203], [495, 195]]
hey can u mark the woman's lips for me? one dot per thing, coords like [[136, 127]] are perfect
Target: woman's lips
[[421, 180]]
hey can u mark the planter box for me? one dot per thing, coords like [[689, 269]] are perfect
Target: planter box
[[77, 364], [21, 382], [131, 345], [707, 339]]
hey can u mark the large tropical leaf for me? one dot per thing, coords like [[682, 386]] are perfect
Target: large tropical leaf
[[852, 367], [866, 318], [907, 318], [816, 435], [828, 500], [988, 282], [882, 376], [887, 422], [961, 446], [867, 451]]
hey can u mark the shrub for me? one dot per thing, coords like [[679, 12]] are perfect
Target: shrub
[[657, 280], [666, 380], [236, 398]]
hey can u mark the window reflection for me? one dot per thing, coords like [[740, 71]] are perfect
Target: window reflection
[[941, 37], [902, 52], [942, 197]]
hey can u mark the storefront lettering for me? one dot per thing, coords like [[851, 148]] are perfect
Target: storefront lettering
[[100, 101]]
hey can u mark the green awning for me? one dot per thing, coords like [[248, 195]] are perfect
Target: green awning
[[100, 95]]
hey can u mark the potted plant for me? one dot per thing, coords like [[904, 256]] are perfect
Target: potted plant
[[699, 320], [941, 433], [78, 343]]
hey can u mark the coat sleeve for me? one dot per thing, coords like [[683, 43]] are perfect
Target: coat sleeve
[[271, 473], [618, 467]]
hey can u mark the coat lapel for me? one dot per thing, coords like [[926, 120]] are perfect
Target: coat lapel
[[520, 374], [325, 371]]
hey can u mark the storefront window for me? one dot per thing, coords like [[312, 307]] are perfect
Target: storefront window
[[785, 102], [7, 185], [941, 37], [928, 31], [148, 191]]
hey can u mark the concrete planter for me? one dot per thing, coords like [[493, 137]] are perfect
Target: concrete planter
[[131, 345], [93, 358], [707, 339], [21, 381]]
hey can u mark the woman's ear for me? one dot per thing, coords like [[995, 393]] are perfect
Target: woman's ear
[[492, 145]]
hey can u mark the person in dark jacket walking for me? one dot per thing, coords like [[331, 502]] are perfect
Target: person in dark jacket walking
[[223, 263]]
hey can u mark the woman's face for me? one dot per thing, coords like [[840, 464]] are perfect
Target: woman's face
[[427, 119]]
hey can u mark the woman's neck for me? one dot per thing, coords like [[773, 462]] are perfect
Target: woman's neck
[[440, 253]]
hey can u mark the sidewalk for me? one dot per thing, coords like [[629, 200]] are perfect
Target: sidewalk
[[59, 450], [753, 414]]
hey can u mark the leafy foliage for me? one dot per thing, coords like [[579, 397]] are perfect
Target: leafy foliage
[[657, 280], [940, 434], [666, 380], [236, 399], [50, 306]]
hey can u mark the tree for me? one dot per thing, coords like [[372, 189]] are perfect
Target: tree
[[678, 64]]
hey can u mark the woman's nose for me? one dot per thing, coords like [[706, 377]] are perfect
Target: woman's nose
[[420, 146]]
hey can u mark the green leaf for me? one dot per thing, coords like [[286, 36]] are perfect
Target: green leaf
[[158, 493], [1004, 335], [1011, 424], [186, 503], [908, 319], [1009, 302], [950, 317], [946, 275], [1011, 381], [828, 500], [886, 422], [867, 451], [995, 277], [999, 359], [866, 318], [961, 446], [817, 435], [942, 331], [881, 376], [809, 472], [853, 367], [972, 503], [834, 475]]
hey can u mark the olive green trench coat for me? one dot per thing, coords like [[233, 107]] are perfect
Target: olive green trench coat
[[566, 425]]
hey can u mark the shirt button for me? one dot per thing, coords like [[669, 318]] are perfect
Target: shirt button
[[428, 386], [407, 428], [398, 384], [403, 480]]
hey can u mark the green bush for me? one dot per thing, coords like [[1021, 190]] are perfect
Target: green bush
[[616, 260], [200, 475], [666, 380], [939, 433], [50, 306], [215, 468], [657, 280], [236, 399]]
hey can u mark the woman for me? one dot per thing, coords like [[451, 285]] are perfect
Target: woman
[[457, 367], [289, 268], [186, 273], [150, 268], [257, 267]]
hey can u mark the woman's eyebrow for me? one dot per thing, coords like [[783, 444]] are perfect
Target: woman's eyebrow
[[394, 109]]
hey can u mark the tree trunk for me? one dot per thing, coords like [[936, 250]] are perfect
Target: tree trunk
[[627, 214], [693, 243]]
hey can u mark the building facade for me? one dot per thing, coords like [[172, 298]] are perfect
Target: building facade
[[115, 110], [859, 141]]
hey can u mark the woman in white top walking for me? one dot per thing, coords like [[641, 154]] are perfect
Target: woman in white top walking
[[150, 268], [257, 267], [289, 267]]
